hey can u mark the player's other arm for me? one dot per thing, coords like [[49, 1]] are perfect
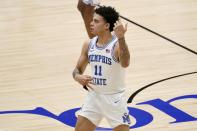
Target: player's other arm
[[122, 48], [81, 66], [123, 53]]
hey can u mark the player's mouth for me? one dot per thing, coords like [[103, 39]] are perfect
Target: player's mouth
[[91, 29]]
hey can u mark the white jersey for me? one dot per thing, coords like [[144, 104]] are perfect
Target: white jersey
[[108, 74]]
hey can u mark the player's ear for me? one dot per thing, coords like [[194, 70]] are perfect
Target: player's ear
[[107, 25]]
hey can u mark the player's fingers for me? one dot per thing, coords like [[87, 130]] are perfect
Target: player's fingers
[[119, 22], [90, 86], [88, 77], [83, 82], [92, 83], [115, 25]]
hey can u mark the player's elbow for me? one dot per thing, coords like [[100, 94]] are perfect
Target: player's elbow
[[80, 6], [125, 64]]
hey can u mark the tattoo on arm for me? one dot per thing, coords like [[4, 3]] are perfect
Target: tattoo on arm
[[124, 52], [75, 72]]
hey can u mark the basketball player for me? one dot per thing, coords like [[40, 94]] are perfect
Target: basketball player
[[108, 56], [86, 7]]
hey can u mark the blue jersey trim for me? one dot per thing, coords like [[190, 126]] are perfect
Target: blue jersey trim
[[103, 47]]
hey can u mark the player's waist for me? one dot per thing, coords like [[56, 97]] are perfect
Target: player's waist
[[108, 90]]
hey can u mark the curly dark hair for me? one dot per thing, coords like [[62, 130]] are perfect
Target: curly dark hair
[[109, 14]]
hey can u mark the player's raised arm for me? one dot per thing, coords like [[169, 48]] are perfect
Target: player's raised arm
[[122, 48]]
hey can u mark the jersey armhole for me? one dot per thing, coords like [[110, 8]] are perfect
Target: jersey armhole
[[91, 42]]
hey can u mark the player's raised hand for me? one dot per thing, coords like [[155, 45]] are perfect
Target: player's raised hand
[[119, 29]]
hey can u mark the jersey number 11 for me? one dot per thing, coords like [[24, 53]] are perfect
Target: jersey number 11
[[98, 70]]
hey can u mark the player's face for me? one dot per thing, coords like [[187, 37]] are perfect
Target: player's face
[[98, 25]]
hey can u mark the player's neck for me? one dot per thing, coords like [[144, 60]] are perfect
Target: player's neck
[[104, 38]]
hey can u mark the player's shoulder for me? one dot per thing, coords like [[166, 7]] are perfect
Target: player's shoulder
[[86, 43], [89, 41]]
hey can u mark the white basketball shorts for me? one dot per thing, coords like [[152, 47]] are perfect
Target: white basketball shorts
[[112, 107]]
